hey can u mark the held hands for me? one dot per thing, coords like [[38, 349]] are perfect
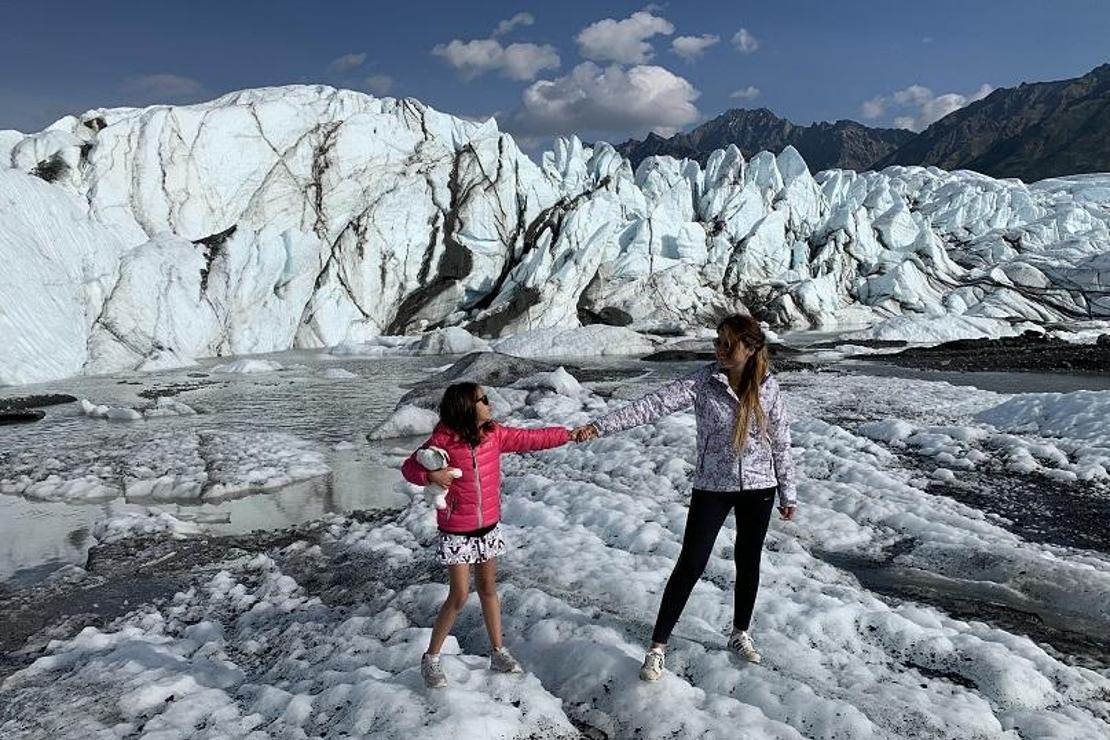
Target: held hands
[[787, 513], [584, 433]]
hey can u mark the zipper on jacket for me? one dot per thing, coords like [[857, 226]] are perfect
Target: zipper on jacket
[[738, 453], [478, 483]]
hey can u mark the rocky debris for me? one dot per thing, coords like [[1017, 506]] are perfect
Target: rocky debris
[[1029, 352], [34, 402]]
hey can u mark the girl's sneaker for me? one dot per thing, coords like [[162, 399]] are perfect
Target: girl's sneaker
[[741, 644], [503, 662], [652, 669], [432, 671]]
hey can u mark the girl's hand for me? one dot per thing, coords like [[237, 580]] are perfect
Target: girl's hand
[[442, 478], [584, 433], [787, 513]]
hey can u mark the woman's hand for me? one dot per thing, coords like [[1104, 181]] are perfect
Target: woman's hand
[[787, 513], [584, 433], [442, 478]]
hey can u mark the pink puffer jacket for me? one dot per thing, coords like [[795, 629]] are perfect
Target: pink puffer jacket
[[474, 500]]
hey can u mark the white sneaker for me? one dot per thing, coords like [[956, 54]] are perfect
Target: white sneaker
[[503, 662], [741, 643], [652, 669], [432, 671]]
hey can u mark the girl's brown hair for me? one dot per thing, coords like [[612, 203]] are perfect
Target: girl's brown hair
[[457, 411], [735, 329]]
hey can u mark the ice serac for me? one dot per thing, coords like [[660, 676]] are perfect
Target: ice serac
[[307, 216]]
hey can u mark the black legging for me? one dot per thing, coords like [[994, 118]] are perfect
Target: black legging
[[708, 510]]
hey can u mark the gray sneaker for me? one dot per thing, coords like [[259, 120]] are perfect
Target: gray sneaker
[[432, 671], [652, 669], [741, 644], [502, 662]]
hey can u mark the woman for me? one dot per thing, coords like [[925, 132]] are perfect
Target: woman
[[743, 457]]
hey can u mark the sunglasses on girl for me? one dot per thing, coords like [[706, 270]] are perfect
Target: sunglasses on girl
[[483, 399]]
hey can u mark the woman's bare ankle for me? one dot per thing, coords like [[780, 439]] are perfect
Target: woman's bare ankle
[[659, 647]]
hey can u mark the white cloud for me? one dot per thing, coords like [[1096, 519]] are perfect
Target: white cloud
[[515, 61], [984, 90], [622, 41], [918, 106], [692, 47], [379, 84], [873, 108], [161, 88], [913, 95], [525, 61], [940, 106], [520, 19], [347, 62], [745, 41], [610, 99], [751, 92], [471, 58]]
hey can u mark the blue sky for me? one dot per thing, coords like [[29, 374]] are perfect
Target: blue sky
[[603, 70]]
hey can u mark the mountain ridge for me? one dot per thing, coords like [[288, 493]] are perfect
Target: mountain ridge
[[1032, 131], [843, 144]]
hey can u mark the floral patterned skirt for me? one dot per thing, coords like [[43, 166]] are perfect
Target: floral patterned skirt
[[456, 549]]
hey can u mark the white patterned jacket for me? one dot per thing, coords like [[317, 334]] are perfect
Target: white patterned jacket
[[766, 461]]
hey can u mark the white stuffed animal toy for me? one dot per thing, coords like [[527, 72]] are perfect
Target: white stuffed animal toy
[[435, 458]]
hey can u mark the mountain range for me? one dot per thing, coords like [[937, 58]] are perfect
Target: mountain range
[[1031, 132]]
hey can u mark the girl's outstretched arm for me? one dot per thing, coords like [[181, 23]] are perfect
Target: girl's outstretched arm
[[517, 439], [661, 402]]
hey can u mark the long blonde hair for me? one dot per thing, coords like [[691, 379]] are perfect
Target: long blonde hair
[[735, 329]]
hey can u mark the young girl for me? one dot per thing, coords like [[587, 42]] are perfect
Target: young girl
[[743, 461], [470, 532]]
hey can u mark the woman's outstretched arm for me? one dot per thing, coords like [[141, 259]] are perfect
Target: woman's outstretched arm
[[661, 402]]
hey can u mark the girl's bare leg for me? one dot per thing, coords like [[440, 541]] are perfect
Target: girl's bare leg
[[485, 579], [458, 578]]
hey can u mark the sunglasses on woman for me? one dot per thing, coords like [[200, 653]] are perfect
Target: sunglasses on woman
[[483, 399]]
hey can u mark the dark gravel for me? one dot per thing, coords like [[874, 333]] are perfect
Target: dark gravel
[[1029, 352], [34, 402]]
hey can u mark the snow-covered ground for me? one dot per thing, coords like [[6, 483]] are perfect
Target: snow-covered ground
[[321, 635]]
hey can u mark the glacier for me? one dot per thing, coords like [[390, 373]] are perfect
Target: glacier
[[309, 216]]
